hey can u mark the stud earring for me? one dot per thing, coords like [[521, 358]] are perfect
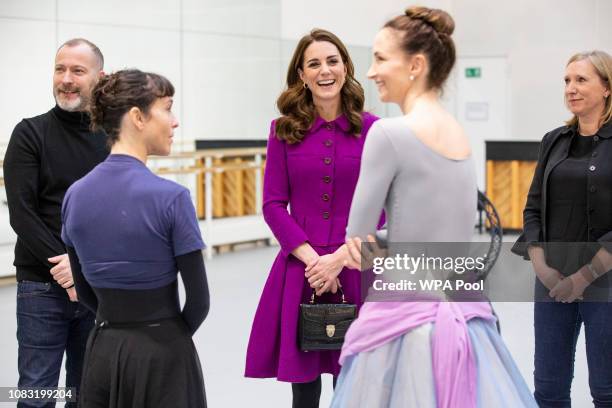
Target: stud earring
[[412, 77]]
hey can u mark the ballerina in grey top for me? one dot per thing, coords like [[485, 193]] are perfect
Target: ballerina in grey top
[[419, 167]]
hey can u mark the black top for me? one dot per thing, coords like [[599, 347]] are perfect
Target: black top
[[567, 192], [45, 155], [554, 149], [131, 306]]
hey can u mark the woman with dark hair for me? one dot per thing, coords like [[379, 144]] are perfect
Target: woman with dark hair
[[419, 167], [312, 165], [128, 233], [567, 235]]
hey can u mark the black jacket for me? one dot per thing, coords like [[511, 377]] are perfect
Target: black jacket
[[553, 150], [45, 155]]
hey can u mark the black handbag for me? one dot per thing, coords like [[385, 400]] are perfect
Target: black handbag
[[322, 326]]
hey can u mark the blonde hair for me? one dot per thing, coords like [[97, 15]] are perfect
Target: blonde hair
[[602, 61]]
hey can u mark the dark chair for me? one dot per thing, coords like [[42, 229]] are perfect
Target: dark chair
[[496, 233], [493, 224]]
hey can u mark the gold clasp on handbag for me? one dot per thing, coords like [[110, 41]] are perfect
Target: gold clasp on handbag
[[330, 329]]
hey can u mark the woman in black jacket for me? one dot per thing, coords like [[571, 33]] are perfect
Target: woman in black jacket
[[567, 235]]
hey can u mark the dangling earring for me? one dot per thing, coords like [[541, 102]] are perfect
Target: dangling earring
[[412, 77], [305, 86]]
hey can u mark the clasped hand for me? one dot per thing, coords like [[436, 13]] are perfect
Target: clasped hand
[[569, 289], [322, 273], [562, 289]]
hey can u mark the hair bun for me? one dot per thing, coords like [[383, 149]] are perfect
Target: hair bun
[[438, 19], [101, 97]]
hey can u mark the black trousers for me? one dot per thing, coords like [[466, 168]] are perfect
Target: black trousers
[[307, 395]]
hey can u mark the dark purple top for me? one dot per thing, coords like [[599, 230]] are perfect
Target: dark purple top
[[127, 225]]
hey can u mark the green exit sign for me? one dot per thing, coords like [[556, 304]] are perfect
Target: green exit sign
[[472, 72]]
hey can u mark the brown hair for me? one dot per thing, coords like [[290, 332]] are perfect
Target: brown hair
[[94, 48], [602, 62], [428, 31], [115, 94], [295, 103]]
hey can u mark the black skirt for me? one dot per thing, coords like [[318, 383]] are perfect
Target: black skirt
[[145, 366], [140, 353]]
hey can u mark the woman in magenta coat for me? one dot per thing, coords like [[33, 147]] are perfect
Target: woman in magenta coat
[[313, 160]]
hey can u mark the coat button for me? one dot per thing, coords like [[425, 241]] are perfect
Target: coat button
[[325, 197], [594, 154], [592, 168], [326, 179], [327, 160], [593, 189], [596, 138], [325, 215], [329, 143], [591, 210]]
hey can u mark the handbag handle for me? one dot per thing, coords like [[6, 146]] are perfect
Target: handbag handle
[[312, 297]]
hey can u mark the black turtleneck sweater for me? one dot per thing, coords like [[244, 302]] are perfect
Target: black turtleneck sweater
[[45, 155]]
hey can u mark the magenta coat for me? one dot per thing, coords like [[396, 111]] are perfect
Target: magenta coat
[[316, 178]]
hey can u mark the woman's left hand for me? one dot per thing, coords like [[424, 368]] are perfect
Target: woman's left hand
[[323, 275], [570, 288]]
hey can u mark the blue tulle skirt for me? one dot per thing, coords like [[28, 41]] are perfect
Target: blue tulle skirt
[[399, 374]]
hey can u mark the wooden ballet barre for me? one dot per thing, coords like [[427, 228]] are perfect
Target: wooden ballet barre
[[215, 169], [215, 153]]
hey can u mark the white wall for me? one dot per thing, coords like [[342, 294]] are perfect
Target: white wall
[[228, 58], [224, 57], [355, 22], [538, 37]]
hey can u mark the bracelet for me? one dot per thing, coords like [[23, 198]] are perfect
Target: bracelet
[[70, 287], [592, 270]]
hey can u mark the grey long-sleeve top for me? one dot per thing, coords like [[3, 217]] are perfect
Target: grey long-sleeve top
[[427, 197]]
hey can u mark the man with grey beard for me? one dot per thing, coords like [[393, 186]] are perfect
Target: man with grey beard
[[45, 155]]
